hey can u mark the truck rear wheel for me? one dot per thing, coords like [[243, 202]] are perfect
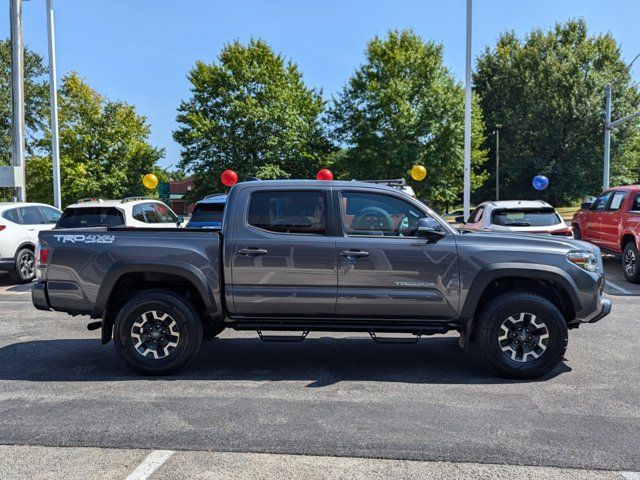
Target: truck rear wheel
[[521, 335], [631, 263], [157, 332]]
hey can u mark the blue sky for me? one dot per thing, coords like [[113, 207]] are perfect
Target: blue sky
[[140, 51]]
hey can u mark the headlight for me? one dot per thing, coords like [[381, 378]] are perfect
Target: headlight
[[584, 259]]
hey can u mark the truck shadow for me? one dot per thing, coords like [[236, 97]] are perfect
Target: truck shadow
[[320, 361]]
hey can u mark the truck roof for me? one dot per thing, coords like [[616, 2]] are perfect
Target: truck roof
[[314, 183]]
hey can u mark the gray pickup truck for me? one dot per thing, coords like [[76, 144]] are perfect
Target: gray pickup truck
[[301, 256]]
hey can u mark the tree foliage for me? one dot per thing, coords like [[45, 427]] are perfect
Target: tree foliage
[[104, 148], [548, 93], [401, 108], [251, 112]]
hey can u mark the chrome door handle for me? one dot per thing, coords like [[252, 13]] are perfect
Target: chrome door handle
[[252, 251], [354, 253]]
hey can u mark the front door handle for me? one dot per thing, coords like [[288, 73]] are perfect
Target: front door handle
[[252, 251], [354, 253]]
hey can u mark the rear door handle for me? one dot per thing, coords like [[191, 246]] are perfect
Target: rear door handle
[[252, 251], [354, 253]]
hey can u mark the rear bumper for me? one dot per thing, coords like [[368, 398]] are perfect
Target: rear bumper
[[7, 264], [39, 296]]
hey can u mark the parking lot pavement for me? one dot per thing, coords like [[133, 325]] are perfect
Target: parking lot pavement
[[22, 462]]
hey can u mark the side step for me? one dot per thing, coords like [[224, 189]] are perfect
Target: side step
[[396, 340], [282, 338]]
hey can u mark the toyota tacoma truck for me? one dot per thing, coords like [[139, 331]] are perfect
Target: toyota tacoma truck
[[299, 256]]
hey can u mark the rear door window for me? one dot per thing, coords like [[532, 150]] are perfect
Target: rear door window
[[635, 206], [208, 212], [289, 211], [525, 217], [91, 217], [31, 216], [616, 201], [51, 215]]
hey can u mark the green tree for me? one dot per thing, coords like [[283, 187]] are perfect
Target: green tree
[[401, 108], [548, 93], [104, 148], [251, 112], [36, 91]]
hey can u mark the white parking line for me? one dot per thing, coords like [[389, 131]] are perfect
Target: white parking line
[[630, 475], [150, 464], [618, 287]]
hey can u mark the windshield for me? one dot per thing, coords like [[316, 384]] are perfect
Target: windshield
[[208, 212], [526, 217], [91, 217]]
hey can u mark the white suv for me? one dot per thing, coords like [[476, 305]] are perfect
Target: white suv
[[519, 216], [20, 224], [130, 212]]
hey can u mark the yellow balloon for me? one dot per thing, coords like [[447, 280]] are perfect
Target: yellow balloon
[[418, 172], [150, 181]]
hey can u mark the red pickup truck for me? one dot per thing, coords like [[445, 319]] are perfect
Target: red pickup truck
[[612, 222]]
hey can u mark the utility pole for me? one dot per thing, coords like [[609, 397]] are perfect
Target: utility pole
[[466, 196], [498, 127], [17, 92], [607, 136], [53, 99]]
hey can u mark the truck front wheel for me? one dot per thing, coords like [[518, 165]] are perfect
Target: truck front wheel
[[157, 332], [521, 335]]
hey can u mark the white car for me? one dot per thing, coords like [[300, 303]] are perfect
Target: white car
[[522, 216], [129, 212], [20, 224]]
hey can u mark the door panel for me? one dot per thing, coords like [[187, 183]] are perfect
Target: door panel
[[610, 222], [593, 219], [286, 272]]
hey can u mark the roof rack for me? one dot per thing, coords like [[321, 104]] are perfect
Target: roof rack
[[90, 199], [394, 182], [133, 199]]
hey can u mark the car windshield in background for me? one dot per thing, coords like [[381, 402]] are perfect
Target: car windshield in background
[[91, 217], [526, 217], [208, 213]]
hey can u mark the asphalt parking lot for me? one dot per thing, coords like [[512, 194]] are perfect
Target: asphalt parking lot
[[330, 407]]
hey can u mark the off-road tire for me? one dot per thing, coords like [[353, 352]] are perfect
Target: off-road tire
[[187, 324], [25, 269], [488, 330]]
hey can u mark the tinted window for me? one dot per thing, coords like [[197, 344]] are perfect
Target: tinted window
[[616, 201], [476, 215], [31, 216], [12, 215], [601, 201], [51, 215], [636, 203], [91, 217], [208, 212], [289, 212], [153, 213], [379, 215], [526, 217]]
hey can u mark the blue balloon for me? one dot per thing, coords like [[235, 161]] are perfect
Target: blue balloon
[[540, 182]]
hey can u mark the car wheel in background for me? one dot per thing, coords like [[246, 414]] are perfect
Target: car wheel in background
[[25, 269], [577, 234], [157, 332], [521, 335], [631, 263]]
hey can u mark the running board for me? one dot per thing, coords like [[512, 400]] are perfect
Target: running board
[[282, 338], [396, 340]]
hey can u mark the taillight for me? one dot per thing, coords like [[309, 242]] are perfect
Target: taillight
[[565, 231], [2, 227], [42, 254]]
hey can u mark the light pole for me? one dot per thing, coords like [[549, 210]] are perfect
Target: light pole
[[53, 99], [17, 92], [466, 195], [497, 132]]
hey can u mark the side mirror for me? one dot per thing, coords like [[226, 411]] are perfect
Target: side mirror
[[429, 231], [459, 219], [585, 205]]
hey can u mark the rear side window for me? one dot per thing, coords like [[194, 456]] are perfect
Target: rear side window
[[208, 212], [476, 215], [616, 201], [31, 216], [51, 215], [153, 213], [635, 206], [526, 217], [91, 217], [12, 215], [289, 212]]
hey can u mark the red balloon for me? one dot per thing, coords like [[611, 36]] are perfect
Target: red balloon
[[229, 178], [324, 174]]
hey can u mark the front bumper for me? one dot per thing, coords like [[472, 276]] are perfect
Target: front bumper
[[39, 296], [605, 309]]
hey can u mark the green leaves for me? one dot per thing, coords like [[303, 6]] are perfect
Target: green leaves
[[250, 112], [402, 107], [547, 91]]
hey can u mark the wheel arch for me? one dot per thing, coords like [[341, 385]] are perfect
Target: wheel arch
[[28, 245], [627, 237]]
